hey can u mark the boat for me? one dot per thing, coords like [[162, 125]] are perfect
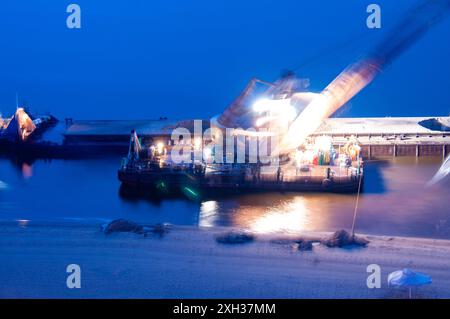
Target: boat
[[23, 127], [151, 167]]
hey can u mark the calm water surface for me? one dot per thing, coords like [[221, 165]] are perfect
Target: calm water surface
[[395, 200]]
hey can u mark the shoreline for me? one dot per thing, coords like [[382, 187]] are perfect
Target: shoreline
[[187, 262]]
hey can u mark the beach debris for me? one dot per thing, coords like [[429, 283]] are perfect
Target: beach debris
[[297, 244], [408, 278], [128, 226], [304, 245], [158, 229], [342, 238], [281, 241], [123, 225], [235, 237]]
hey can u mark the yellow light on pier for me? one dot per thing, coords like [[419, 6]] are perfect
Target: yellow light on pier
[[160, 147]]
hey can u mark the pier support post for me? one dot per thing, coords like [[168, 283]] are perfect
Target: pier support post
[[417, 150], [394, 150], [369, 152], [443, 152]]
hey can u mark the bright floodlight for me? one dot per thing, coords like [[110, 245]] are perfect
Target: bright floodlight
[[160, 147], [278, 111], [261, 105]]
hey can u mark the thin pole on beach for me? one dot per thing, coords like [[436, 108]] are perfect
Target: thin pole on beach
[[356, 206]]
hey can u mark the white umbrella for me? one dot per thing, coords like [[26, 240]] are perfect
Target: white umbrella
[[408, 278]]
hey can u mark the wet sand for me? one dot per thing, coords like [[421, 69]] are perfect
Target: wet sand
[[189, 263]]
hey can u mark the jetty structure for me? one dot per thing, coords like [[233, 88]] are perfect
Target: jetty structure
[[392, 136], [379, 137]]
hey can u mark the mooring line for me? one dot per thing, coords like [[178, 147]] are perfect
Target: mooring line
[[356, 206]]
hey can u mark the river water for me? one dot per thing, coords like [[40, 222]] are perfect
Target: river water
[[395, 200]]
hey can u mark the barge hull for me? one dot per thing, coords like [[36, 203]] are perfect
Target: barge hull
[[176, 182]]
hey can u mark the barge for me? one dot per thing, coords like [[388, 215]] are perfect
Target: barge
[[152, 168], [236, 178]]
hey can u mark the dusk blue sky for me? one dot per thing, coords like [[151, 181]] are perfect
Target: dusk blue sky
[[190, 59]]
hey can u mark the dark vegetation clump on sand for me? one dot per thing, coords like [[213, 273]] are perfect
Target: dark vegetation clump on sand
[[123, 225], [158, 229], [342, 238], [128, 226], [304, 245], [235, 237]]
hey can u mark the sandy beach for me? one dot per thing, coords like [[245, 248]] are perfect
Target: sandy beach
[[189, 263]]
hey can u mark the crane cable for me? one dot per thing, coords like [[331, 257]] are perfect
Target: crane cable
[[356, 205]]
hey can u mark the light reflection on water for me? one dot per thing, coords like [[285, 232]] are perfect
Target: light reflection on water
[[395, 201], [27, 170], [209, 210], [275, 212], [289, 216]]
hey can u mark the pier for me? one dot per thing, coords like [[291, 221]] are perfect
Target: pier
[[390, 136], [379, 137]]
